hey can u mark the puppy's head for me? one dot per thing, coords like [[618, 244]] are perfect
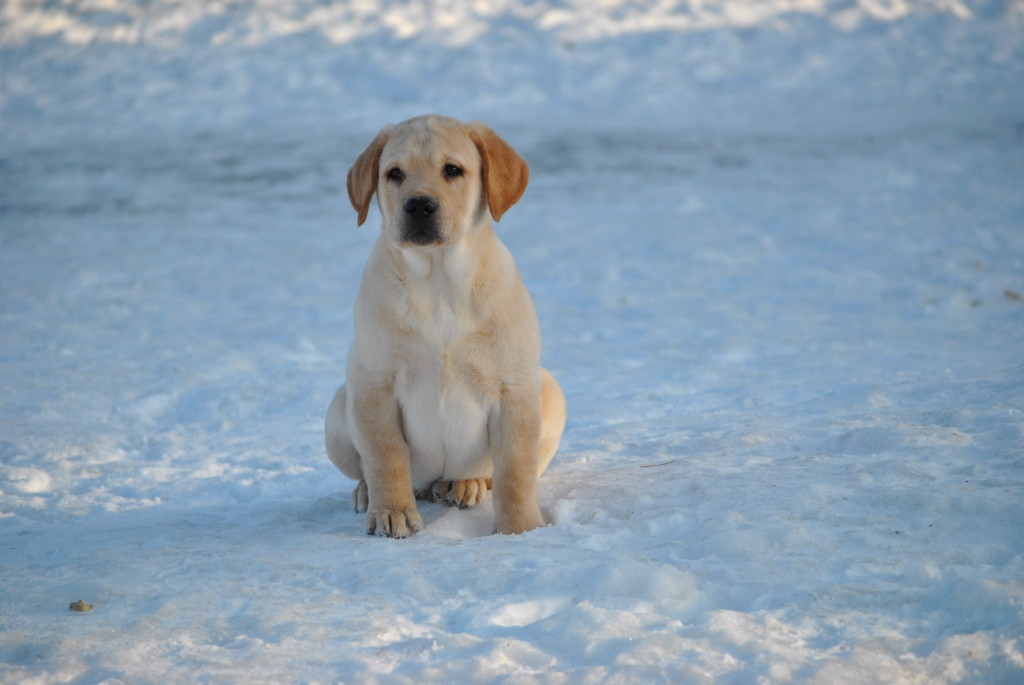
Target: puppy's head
[[434, 178]]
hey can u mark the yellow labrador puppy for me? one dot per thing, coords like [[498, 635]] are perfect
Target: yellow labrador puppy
[[445, 396]]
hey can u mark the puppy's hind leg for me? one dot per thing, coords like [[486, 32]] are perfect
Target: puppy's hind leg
[[552, 418], [341, 451]]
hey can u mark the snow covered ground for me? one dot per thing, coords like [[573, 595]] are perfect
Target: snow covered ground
[[777, 249]]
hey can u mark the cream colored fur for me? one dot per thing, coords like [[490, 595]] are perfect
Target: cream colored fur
[[445, 396]]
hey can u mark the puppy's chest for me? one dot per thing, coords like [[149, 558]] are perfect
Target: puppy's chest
[[436, 327], [449, 357], [448, 361], [447, 389]]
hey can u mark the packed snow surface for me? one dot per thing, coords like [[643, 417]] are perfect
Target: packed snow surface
[[777, 251]]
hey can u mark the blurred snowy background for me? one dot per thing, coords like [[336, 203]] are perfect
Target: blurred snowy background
[[777, 250]]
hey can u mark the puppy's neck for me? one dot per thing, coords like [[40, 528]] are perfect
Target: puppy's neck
[[440, 285], [445, 271]]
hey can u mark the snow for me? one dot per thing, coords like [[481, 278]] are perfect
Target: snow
[[777, 250]]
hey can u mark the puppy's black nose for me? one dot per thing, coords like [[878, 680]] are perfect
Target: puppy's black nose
[[420, 206]]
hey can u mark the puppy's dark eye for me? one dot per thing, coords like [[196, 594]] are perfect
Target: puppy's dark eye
[[452, 171], [396, 174]]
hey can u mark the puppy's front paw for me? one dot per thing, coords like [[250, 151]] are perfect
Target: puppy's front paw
[[393, 524], [461, 493]]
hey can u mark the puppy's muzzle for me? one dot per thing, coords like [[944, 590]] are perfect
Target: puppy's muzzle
[[421, 220]]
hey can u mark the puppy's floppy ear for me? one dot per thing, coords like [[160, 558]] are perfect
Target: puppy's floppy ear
[[505, 172], [362, 177]]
